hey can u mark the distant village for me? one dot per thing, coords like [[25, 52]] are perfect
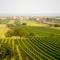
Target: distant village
[[42, 19]]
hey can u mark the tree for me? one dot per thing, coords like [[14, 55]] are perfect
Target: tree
[[32, 34], [56, 25], [9, 33], [20, 32], [17, 32], [24, 23], [5, 51]]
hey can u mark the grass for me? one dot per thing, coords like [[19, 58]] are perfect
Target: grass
[[19, 53], [33, 23], [3, 30]]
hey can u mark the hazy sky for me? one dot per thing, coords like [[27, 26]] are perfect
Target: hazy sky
[[26, 7]]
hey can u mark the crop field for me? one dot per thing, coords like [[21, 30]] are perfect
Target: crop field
[[29, 41], [38, 48]]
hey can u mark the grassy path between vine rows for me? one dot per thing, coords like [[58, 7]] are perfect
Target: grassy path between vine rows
[[19, 53]]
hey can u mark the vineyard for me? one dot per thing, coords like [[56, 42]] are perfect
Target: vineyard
[[34, 48], [23, 42]]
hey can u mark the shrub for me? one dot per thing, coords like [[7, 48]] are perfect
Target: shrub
[[56, 25]]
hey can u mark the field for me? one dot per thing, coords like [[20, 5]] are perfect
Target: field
[[37, 42]]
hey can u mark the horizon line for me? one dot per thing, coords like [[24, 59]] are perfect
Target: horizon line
[[34, 14]]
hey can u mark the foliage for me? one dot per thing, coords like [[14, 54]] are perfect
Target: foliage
[[21, 33], [41, 48], [32, 34], [15, 25], [56, 25], [4, 21], [5, 51], [9, 33], [17, 32], [24, 23]]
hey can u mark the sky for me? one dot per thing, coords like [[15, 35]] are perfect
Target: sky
[[30, 7]]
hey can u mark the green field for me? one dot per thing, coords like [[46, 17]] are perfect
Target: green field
[[43, 43]]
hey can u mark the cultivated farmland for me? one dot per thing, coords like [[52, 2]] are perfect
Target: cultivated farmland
[[29, 40]]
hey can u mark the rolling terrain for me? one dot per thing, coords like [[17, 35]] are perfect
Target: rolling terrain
[[44, 46]]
